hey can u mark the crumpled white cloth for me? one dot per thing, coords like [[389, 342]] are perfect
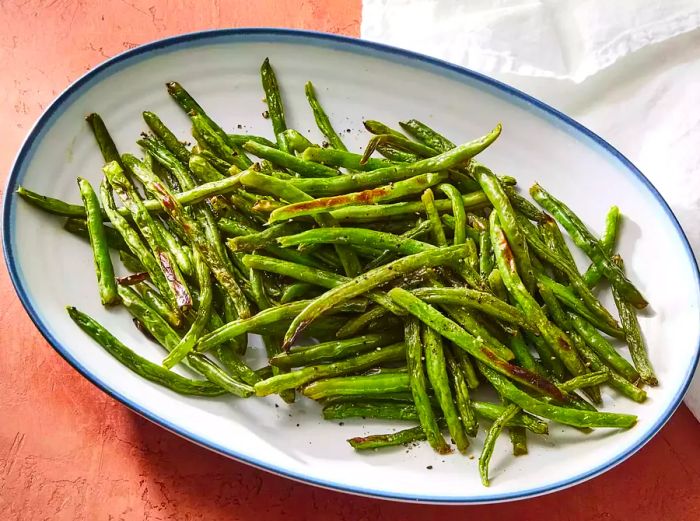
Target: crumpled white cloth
[[627, 69], [561, 39]]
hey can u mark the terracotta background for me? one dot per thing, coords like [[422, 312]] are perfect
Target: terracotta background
[[68, 452]]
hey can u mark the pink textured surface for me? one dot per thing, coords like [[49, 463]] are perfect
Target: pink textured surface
[[69, 452]]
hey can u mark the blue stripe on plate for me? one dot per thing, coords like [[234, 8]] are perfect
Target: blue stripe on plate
[[409, 58]]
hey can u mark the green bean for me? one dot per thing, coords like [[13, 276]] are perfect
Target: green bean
[[331, 350], [130, 262], [310, 373], [190, 105], [322, 121], [585, 380], [475, 347], [464, 182], [364, 409], [377, 127], [506, 216], [203, 169], [416, 232], [273, 98], [436, 229], [550, 231], [547, 358], [555, 337], [449, 222], [149, 318], [436, 369], [326, 279], [242, 139], [144, 368], [522, 205], [585, 240], [133, 278], [572, 274], [402, 143], [472, 258], [461, 390], [394, 406], [567, 297], [223, 167], [369, 280], [104, 140], [492, 411], [377, 441], [256, 323], [289, 161], [419, 386], [474, 324], [169, 339], [188, 341], [50, 204], [333, 157], [490, 441], [496, 284], [603, 348], [175, 287], [615, 381], [467, 367], [633, 335], [564, 415], [218, 142], [486, 260], [188, 197], [364, 180], [560, 318], [366, 386], [458, 211], [235, 227], [397, 190], [607, 243], [106, 283], [286, 191], [375, 212], [220, 269], [426, 135], [229, 359], [296, 142], [179, 250], [358, 323], [395, 155], [250, 239], [154, 300], [271, 341], [356, 237], [297, 290], [174, 145], [477, 300]]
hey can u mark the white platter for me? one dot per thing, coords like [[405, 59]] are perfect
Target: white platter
[[355, 80]]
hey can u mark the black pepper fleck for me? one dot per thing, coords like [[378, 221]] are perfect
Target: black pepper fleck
[[429, 467]]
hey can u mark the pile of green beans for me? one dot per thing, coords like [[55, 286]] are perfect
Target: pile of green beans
[[421, 275]]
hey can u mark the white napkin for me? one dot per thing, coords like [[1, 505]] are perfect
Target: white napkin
[[625, 69]]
